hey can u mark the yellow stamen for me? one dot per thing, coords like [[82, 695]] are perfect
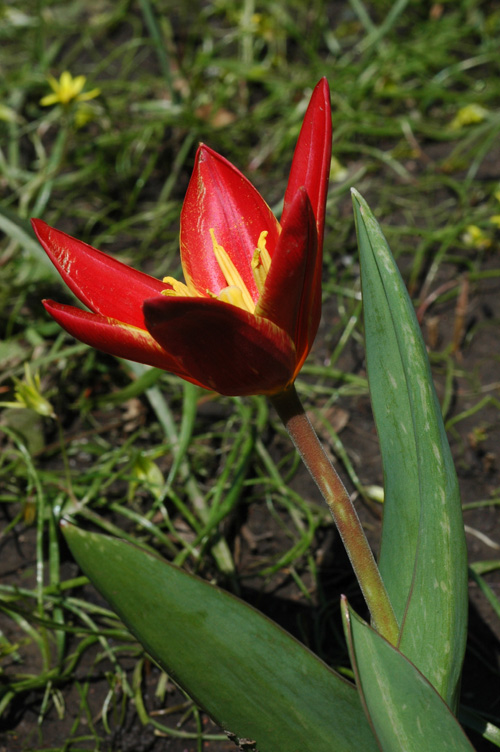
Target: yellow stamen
[[179, 288], [236, 293], [232, 295], [232, 276], [261, 262]]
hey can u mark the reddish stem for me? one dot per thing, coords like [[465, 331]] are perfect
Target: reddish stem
[[296, 422]]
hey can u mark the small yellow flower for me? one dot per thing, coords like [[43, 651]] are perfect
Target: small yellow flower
[[474, 237], [67, 89], [28, 395], [145, 470], [468, 115]]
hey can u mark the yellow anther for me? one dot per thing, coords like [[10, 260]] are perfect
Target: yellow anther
[[232, 276], [232, 295], [261, 262], [236, 292], [180, 289]]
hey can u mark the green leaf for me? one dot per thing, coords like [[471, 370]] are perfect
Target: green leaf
[[406, 711], [423, 553], [252, 677]]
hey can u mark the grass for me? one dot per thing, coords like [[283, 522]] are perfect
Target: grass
[[203, 479]]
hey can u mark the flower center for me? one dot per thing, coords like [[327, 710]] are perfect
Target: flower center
[[236, 292]]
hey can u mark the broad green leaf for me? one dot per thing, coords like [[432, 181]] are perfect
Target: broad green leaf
[[423, 554], [252, 677], [405, 710]]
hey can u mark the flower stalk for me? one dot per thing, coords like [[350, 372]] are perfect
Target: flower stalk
[[296, 422]]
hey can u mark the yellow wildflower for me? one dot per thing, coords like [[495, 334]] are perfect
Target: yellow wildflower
[[468, 115], [28, 395], [474, 237], [67, 89]]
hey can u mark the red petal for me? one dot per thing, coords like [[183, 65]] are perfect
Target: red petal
[[222, 347], [113, 337], [311, 160], [289, 298], [219, 197], [103, 284]]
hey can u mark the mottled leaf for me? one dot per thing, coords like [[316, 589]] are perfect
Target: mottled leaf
[[423, 554]]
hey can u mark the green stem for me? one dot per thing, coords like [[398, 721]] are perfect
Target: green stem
[[296, 422]]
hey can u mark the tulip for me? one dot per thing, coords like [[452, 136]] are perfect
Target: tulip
[[245, 318]]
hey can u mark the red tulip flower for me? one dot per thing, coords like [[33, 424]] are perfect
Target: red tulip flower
[[244, 320]]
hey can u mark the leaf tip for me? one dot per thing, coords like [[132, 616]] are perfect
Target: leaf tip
[[344, 606], [358, 200], [67, 527]]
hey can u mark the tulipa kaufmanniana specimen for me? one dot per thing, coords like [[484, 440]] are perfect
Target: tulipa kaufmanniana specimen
[[244, 320]]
